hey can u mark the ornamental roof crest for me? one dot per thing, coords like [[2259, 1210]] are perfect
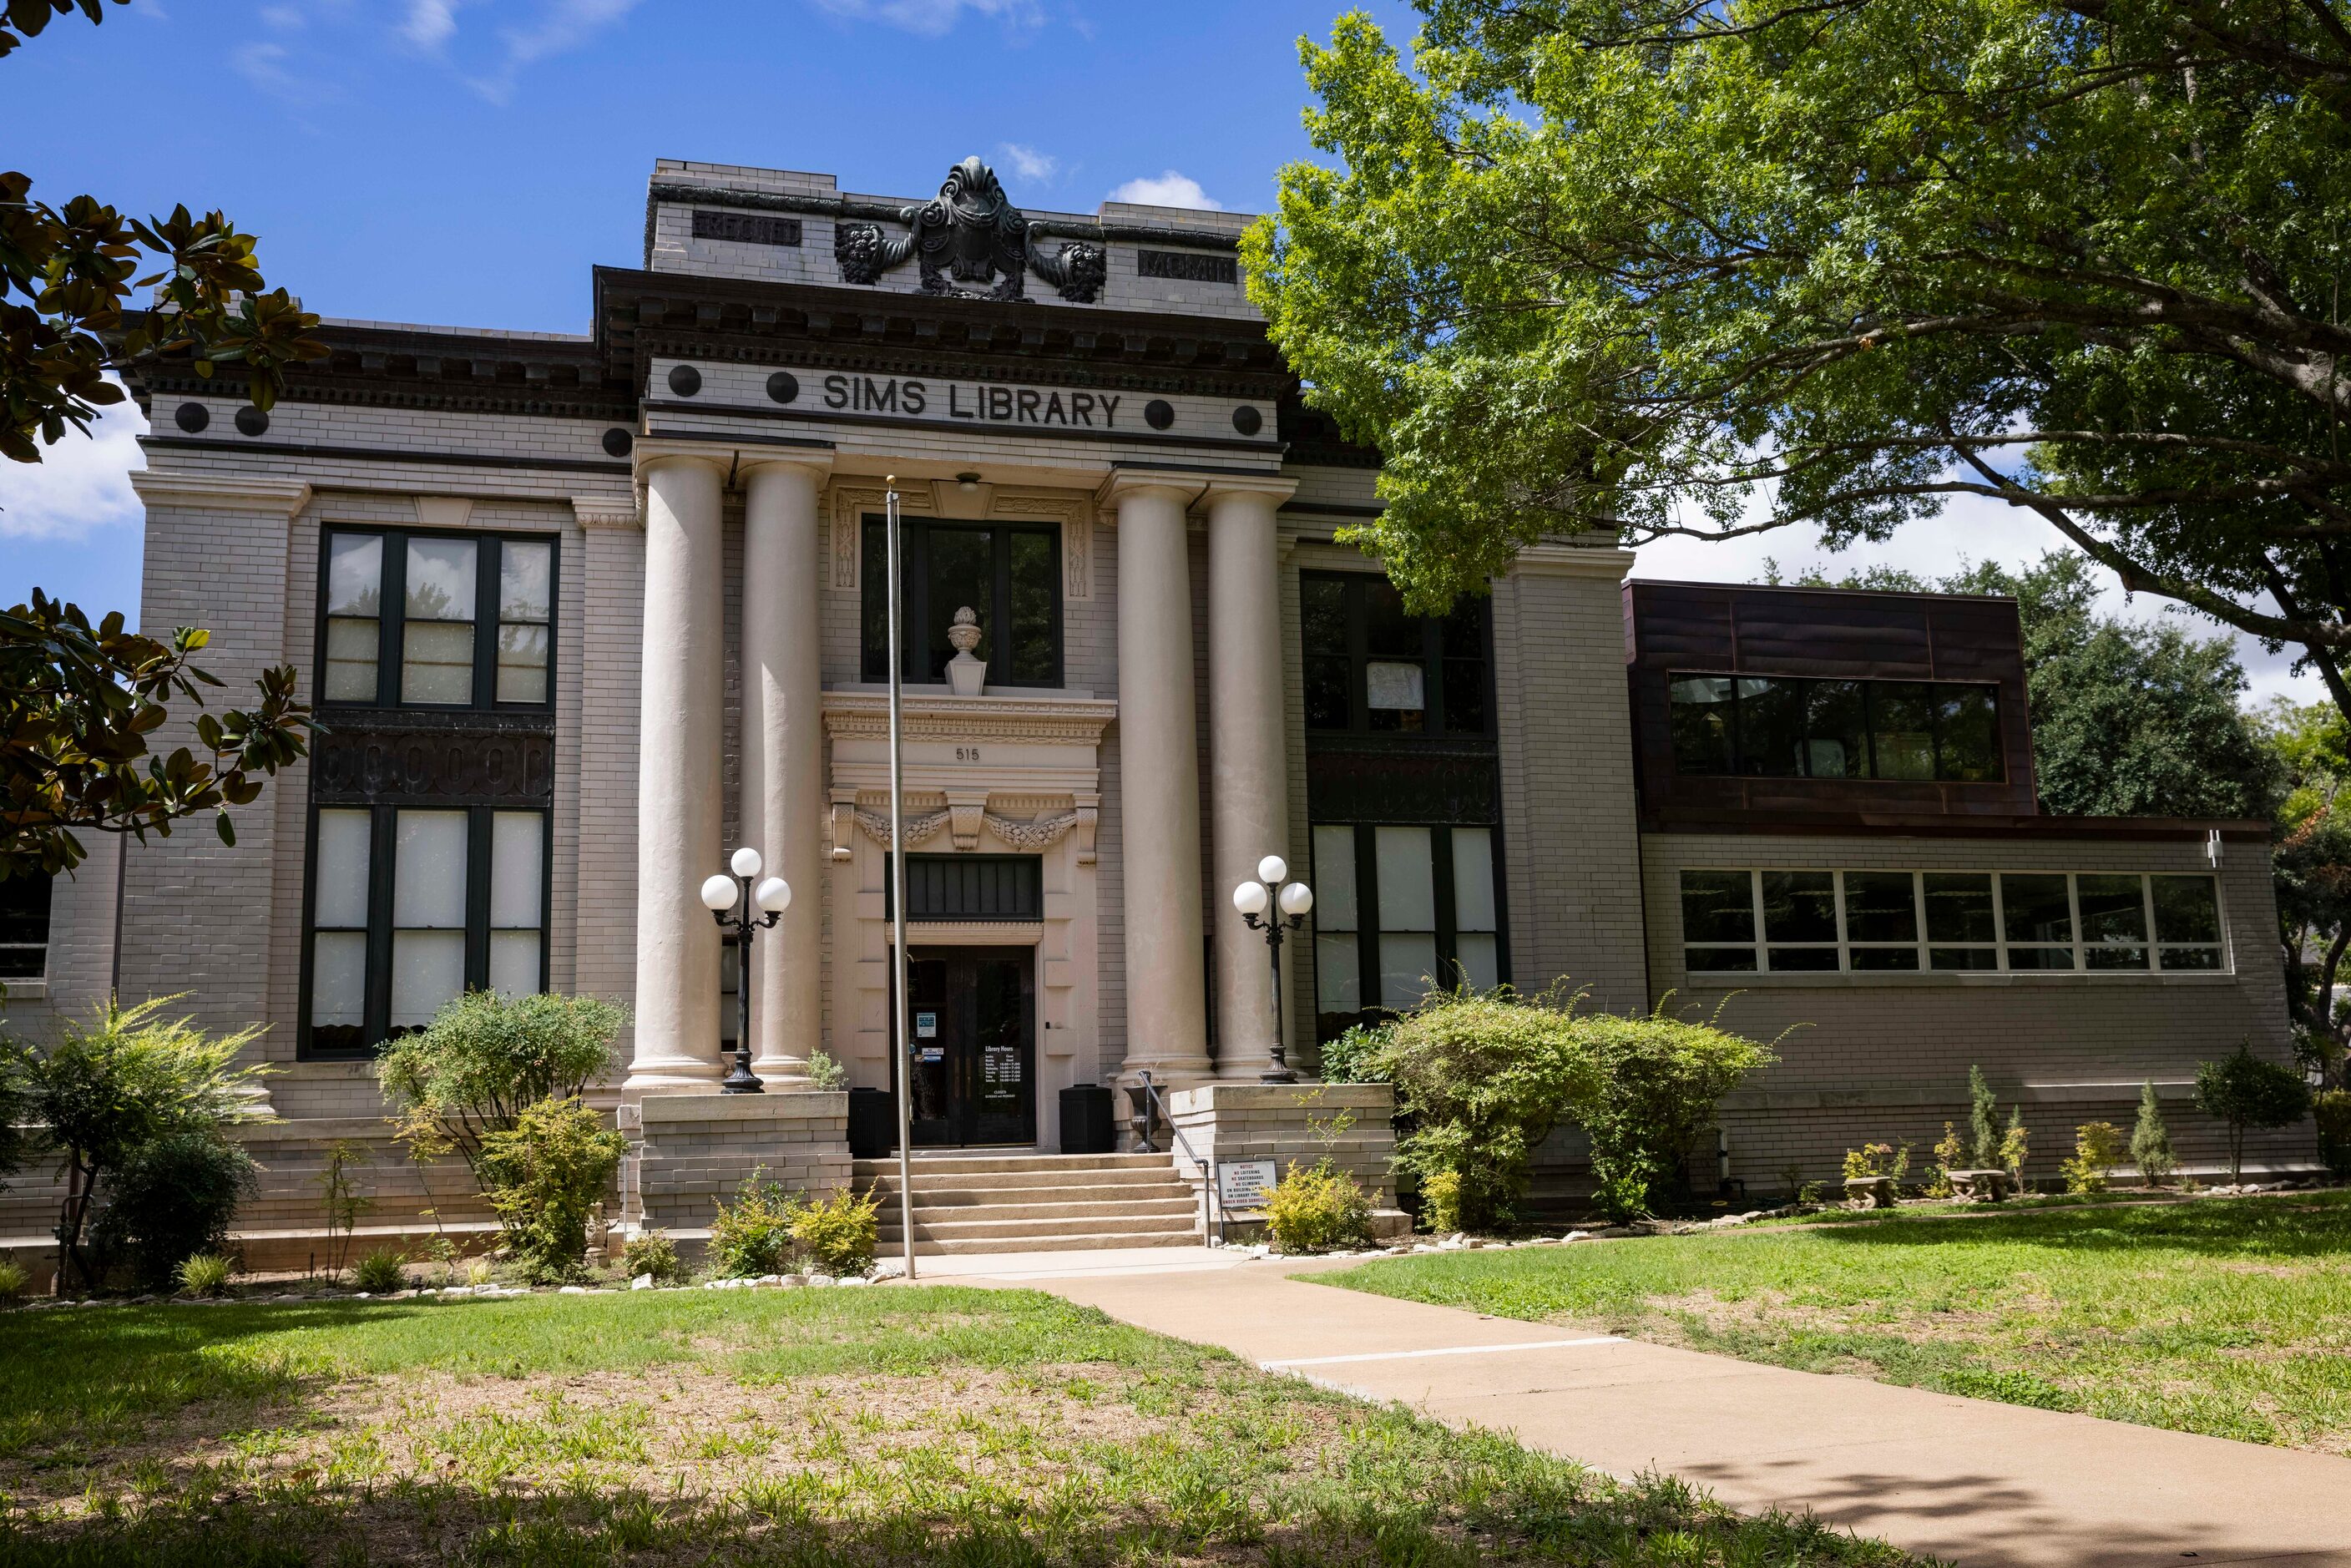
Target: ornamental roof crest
[[970, 243]]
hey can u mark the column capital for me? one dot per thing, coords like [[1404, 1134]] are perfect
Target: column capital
[[651, 451], [1124, 481], [1275, 487], [607, 512], [816, 462]]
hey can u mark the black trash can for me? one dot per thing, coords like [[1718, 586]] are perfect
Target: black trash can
[[873, 1123], [1088, 1126]]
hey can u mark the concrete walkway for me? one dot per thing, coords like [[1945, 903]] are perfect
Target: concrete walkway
[[1983, 1484]]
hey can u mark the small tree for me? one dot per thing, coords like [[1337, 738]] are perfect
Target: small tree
[[2015, 1146], [172, 1200], [340, 1196], [543, 1176], [1983, 1121], [2243, 1091], [109, 1088], [2098, 1149], [485, 1059], [2151, 1144]]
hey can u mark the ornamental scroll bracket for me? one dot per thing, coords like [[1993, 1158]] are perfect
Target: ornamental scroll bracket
[[876, 826], [970, 243], [1037, 833]]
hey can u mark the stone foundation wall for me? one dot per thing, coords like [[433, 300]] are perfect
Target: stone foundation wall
[[687, 1152]]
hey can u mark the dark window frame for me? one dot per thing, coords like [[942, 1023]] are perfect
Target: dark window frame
[[1869, 689], [18, 901], [1432, 661], [392, 615], [1367, 918], [383, 836], [915, 654]]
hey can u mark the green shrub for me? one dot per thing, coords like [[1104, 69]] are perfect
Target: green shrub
[[2015, 1147], [753, 1235], [110, 1087], [1877, 1161], [2333, 1111], [2244, 1092], [1440, 1202], [1316, 1210], [14, 1282], [651, 1253], [381, 1271], [1948, 1153], [205, 1274], [172, 1198], [2098, 1149], [824, 1072], [487, 1058], [1484, 1079], [838, 1234], [543, 1176], [1355, 1057], [1983, 1123], [2151, 1142]]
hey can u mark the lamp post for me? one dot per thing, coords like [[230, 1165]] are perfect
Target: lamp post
[[722, 894], [1291, 900]]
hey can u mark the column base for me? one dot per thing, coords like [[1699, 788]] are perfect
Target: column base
[[659, 1078]]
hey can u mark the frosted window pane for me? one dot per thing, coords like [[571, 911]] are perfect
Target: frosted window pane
[[1482, 969], [525, 581], [1473, 879], [518, 839], [428, 870], [1407, 966], [339, 978], [355, 575], [1407, 890], [441, 578], [352, 647], [1338, 974], [522, 664], [514, 962], [428, 967], [342, 887], [437, 663], [1390, 685], [1334, 879]]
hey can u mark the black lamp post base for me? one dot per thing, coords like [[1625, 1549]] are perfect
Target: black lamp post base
[[1277, 1074], [739, 1080]]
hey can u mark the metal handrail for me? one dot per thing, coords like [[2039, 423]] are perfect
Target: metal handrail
[[1209, 1232]]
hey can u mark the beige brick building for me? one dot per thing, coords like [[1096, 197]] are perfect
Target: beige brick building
[[586, 614]]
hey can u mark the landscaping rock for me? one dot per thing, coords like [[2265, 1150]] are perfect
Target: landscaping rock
[[573, 1291], [856, 1280], [641, 1282]]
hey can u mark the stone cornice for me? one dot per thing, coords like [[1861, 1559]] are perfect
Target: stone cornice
[[1280, 488], [221, 492], [607, 512], [1056, 721], [1552, 558]]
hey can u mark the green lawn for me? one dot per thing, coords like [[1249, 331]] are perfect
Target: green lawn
[[2228, 1316], [883, 1426]]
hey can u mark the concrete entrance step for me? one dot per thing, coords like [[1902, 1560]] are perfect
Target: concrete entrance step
[[1025, 1226], [960, 1163], [956, 1181], [1032, 1203], [1067, 1241]]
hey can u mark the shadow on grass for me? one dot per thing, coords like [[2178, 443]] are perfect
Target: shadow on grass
[[2313, 1225]]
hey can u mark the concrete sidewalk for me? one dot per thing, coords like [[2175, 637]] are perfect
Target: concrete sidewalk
[[1977, 1482]]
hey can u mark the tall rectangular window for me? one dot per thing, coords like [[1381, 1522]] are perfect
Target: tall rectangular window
[[434, 621], [1962, 928], [1719, 919], [1400, 910], [2187, 922], [1008, 575], [1799, 920], [24, 926], [1373, 669], [2037, 918], [1784, 726], [1881, 919], [413, 905]]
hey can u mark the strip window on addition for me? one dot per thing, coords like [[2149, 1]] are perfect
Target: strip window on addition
[[1794, 921]]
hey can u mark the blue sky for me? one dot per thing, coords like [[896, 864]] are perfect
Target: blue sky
[[466, 161]]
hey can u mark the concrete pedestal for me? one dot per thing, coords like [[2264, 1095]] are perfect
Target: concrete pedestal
[[688, 1152]]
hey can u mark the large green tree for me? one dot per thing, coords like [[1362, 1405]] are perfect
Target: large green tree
[[2312, 873], [1723, 265], [2129, 719]]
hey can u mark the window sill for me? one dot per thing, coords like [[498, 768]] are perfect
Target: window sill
[[1786, 980], [24, 990]]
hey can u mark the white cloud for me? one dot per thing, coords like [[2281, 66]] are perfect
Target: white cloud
[[1971, 528], [562, 26], [932, 17], [284, 18], [81, 484], [1027, 162], [1169, 190], [429, 24], [264, 66]]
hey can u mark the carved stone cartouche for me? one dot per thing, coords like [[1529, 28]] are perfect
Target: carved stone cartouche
[[971, 242]]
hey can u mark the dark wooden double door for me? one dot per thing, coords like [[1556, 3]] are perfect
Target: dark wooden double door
[[972, 1053]]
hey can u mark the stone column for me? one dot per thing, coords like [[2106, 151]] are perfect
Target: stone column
[[1248, 778], [678, 772], [1159, 794], [783, 756]]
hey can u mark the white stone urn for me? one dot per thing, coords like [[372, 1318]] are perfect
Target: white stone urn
[[966, 675]]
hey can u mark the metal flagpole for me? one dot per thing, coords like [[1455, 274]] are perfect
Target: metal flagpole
[[901, 1040]]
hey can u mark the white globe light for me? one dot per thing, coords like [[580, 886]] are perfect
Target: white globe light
[[1249, 898], [718, 893], [745, 861], [1297, 898], [773, 895], [1272, 869]]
